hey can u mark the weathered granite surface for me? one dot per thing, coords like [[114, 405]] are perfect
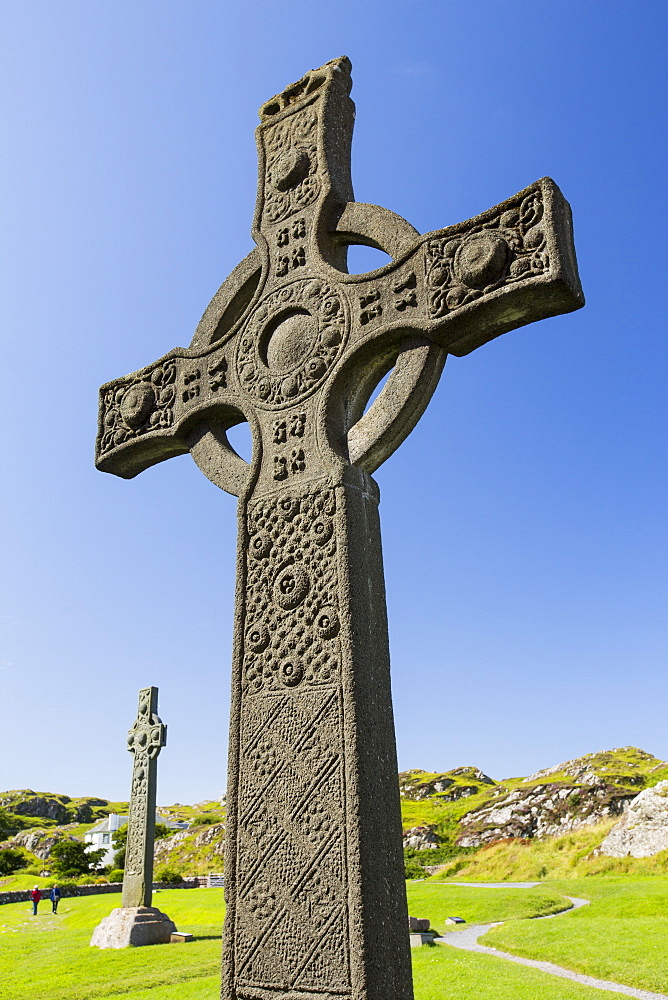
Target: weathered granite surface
[[294, 345], [643, 829], [134, 926]]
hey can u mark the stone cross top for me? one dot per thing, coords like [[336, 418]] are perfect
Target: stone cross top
[[145, 740], [294, 345]]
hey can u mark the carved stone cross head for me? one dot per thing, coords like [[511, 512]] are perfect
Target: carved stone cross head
[[294, 345], [148, 734]]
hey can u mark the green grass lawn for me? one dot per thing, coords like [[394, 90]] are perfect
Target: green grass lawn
[[622, 935], [56, 949], [479, 906], [49, 957]]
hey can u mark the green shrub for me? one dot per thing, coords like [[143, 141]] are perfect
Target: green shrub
[[115, 875], [11, 860], [205, 819], [170, 875], [413, 869], [70, 858]]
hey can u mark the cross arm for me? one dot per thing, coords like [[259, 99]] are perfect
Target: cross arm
[[150, 415], [469, 283]]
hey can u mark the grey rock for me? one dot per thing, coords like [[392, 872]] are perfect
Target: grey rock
[[39, 842], [643, 829], [541, 811], [421, 838], [42, 806], [292, 343]]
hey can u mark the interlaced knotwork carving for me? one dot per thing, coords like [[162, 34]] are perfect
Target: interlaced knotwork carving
[[505, 249], [137, 407], [290, 841], [292, 166], [292, 594]]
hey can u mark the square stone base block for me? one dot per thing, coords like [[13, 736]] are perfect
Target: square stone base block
[[133, 926], [418, 939]]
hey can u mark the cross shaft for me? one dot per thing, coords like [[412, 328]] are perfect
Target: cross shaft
[[145, 740], [295, 345]]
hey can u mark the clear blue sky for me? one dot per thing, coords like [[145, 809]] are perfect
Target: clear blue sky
[[524, 519]]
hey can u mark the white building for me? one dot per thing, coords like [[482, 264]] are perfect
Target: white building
[[102, 834]]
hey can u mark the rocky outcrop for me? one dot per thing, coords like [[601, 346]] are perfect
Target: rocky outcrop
[[544, 810], [45, 808], [421, 838], [214, 837], [448, 786], [197, 849], [39, 842], [41, 805], [625, 766], [163, 848], [643, 829]]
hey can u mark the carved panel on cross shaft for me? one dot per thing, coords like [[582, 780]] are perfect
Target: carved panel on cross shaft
[[291, 341], [292, 594], [507, 248], [291, 173], [290, 853]]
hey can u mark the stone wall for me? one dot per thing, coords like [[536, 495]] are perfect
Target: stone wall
[[23, 895]]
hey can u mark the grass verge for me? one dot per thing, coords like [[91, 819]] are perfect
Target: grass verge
[[622, 936]]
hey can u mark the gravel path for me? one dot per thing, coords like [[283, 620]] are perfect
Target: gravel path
[[468, 940]]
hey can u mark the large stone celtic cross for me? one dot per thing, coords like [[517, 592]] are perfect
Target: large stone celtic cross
[[294, 345]]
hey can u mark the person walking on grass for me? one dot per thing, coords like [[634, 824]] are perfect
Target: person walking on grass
[[35, 895], [54, 896]]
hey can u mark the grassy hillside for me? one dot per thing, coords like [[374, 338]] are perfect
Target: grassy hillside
[[570, 856], [463, 806]]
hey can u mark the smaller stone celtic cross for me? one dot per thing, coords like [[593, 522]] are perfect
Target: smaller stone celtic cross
[[145, 740]]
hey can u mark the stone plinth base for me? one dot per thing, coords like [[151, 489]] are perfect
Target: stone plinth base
[[418, 939], [133, 925]]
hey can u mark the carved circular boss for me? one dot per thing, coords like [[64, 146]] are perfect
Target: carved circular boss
[[291, 342]]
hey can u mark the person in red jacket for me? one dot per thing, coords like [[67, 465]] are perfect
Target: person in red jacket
[[35, 895]]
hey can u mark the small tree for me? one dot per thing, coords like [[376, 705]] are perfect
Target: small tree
[[170, 875], [70, 858], [11, 860]]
